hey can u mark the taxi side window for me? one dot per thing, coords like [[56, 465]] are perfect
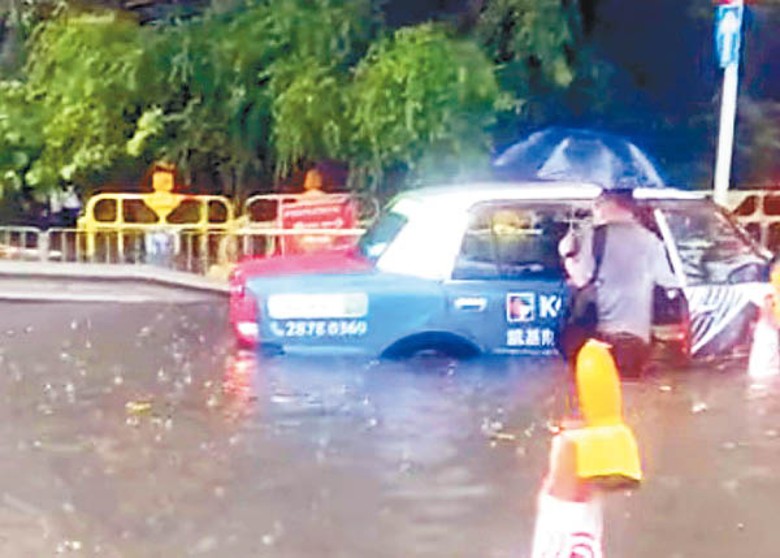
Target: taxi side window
[[711, 249], [512, 242]]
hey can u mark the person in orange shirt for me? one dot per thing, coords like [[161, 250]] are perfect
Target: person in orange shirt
[[312, 184]]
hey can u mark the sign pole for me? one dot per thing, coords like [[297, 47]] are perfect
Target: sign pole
[[728, 114], [727, 37]]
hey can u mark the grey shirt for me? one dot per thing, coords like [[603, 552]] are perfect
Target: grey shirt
[[634, 262]]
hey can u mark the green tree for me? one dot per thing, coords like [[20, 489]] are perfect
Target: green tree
[[424, 101], [323, 40], [205, 111], [21, 140], [253, 89], [83, 76], [18, 19], [256, 90], [534, 45], [310, 115]]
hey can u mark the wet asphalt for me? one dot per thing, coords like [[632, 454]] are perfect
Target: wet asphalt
[[134, 430]]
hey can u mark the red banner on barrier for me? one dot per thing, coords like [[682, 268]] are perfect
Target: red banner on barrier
[[329, 212]]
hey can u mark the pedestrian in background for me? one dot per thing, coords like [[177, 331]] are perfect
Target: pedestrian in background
[[55, 208], [71, 206], [613, 268]]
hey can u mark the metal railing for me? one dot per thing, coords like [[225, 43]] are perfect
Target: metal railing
[[264, 210], [194, 250], [759, 212], [22, 243]]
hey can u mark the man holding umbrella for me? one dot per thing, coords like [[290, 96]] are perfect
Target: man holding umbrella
[[614, 268]]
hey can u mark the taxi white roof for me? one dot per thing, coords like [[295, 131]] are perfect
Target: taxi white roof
[[460, 197]]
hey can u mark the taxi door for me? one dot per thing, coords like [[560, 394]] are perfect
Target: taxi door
[[503, 316], [507, 289]]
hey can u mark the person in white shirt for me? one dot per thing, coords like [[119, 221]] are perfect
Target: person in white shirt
[[71, 206]]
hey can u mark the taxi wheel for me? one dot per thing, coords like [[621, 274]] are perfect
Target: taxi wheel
[[432, 344], [676, 354], [680, 355]]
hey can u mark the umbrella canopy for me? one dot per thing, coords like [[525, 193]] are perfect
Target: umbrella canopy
[[557, 153]]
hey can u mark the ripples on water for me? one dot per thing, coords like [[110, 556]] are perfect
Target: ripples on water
[[140, 433]]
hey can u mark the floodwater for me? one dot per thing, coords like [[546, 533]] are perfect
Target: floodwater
[[133, 430]]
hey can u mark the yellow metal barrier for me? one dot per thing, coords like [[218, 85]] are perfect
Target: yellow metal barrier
[[155, 218], [196, 233]]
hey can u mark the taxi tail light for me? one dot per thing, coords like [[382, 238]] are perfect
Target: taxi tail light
[[683, 336], [243, 312], [248, 333], [683, 333]]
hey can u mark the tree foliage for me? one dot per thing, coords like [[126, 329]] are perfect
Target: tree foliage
[[82, 89], [256, 90], [253, 89], [310, 80], [421, 95], [535, 46], [21, 140]]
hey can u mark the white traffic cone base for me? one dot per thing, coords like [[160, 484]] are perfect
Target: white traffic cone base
[[566, 529], [764, 361]]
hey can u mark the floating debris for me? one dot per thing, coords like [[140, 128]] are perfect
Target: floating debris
[[699, 407], [206, 544], [68, 546], [138, 407], [503, 436], [552, 427], [282, 398]]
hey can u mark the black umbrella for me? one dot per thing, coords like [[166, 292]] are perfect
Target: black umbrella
[[556, 153]]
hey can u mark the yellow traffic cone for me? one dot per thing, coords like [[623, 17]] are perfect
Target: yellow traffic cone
[[606, 450], [601, 452]]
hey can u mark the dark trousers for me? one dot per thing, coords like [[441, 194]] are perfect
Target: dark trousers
[[631, 353]]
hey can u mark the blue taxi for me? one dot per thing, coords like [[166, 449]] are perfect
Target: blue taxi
[[467, 270]]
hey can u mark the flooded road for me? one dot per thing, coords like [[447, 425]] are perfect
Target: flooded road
[[134, 431]]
